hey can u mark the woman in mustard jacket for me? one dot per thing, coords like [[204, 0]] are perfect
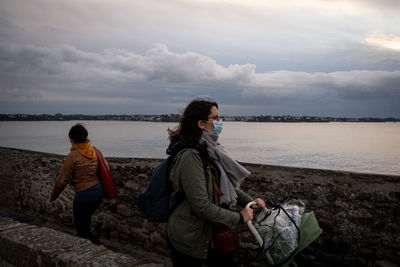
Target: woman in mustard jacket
[[80, 167]]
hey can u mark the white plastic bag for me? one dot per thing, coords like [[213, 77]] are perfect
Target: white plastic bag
[[279, 229]]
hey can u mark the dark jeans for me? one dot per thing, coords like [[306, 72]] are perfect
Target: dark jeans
[[85, 204], [214, 259]]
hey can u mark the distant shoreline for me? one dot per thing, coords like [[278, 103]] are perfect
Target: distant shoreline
[[175, 118]]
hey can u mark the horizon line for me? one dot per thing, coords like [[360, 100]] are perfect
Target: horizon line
[[176, 114]]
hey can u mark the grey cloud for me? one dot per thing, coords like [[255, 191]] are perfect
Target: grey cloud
[[355, 84], [158, 64], [65, 72], [7, 28], [20, 94], [273, 36]]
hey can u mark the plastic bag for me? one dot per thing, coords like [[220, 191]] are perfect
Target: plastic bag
[[279, 228]]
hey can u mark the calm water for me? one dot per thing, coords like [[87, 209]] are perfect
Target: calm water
[[361, 147]]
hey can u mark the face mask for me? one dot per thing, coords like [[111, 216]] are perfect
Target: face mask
[[217, 127]]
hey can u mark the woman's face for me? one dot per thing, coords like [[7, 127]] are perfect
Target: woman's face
[[208, 124]]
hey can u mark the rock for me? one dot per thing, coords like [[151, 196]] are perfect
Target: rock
[[138, 234], [135, 222], [142, 177], [383, 263], [124, 210], [156, 238], [131, 185]]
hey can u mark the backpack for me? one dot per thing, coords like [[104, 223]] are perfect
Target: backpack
[[154, 200]]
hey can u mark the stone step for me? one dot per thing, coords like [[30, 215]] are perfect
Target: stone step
[[23, 244]]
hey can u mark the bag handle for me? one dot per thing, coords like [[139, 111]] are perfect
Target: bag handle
[[257, 235], [252, 228]]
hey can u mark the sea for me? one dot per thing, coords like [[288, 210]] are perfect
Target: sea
[[350, 146]]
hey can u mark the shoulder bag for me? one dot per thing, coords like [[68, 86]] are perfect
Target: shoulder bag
[[110, 189], [225, 238]]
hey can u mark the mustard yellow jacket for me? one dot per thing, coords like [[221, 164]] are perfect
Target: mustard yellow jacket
[[81, 171]]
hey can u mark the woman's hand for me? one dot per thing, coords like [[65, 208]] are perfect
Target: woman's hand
[[260, 204], [247, 214]]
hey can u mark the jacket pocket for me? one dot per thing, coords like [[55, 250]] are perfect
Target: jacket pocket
[[186, 229]]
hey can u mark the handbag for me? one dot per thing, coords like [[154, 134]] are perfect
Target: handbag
[[225, 238], [110, 189]]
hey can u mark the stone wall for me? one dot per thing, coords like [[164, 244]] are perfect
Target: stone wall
[[359, 213]]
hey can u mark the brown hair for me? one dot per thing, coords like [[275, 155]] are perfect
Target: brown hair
[[78, 133], [188, 131]]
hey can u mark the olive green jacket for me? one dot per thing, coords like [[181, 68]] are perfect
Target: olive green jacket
[[189, 225]]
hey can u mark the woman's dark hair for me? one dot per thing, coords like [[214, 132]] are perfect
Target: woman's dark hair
[[78, 133], [188, 131]]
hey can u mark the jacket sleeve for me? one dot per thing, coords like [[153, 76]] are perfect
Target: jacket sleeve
[[243, 198], [63, 177], [195, 187]]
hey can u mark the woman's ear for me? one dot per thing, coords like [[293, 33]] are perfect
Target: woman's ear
[[201, 124]]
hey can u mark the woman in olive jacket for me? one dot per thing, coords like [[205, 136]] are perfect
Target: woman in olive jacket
[[190, 224]]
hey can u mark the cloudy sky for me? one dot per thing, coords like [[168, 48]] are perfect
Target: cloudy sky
[[309, 57]]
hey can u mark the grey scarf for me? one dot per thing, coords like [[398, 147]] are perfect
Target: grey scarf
[[232, 173]]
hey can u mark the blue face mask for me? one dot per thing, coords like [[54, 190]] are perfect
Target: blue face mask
[[217, 127]]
